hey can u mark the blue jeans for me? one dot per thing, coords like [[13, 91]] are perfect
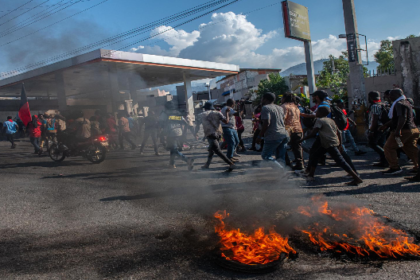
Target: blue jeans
[[172, 145], [277, 148], [347, 136], [232, 140], [35, 142]]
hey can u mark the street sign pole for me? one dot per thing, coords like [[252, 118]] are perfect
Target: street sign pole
[[296, 26], [310, 66]]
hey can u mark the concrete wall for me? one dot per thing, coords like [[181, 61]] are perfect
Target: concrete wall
[[407, 66], [380, 83]]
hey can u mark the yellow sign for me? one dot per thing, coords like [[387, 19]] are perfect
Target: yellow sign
[[175, 118]]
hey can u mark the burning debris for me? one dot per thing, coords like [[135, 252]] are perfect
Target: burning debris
[[355, 230], [258, 248]]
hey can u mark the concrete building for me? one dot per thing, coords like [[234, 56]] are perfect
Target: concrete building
[[240, 85], [406, 74], [110, 80]]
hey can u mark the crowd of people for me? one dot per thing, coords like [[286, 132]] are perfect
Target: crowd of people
[[277, 127]]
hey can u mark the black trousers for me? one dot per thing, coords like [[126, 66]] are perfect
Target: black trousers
[[148, 132], [11, 138], [254, 139], [241, 142], [377, 142], [339, 158], [297, 147], [127, 136], [317, 154], [214, 148]]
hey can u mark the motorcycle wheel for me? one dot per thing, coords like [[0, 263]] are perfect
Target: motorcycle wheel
[[96, 154], [56, 154]]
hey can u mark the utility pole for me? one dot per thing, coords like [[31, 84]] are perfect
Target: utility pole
[[357, 90]]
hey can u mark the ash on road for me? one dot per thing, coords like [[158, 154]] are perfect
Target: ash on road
[[132, 217]]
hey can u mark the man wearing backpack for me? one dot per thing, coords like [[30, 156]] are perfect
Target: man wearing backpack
[[346, 131], [50, 128], [378, 115]]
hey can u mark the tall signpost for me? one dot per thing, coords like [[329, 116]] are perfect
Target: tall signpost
[[296, 26]]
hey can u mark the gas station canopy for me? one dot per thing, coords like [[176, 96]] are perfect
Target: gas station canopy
[[95, 73]]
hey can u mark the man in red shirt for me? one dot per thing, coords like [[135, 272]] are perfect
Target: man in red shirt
[[347, 133], [34, 128]]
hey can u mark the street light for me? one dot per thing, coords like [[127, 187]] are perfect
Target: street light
[[344, 36]]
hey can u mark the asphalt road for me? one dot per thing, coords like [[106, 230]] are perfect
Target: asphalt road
[[131, 217]]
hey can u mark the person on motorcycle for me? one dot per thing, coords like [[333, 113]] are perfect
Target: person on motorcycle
[[50, 129], [83, 127], [171, 120]]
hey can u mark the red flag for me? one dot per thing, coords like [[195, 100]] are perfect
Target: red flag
[[24, 112]]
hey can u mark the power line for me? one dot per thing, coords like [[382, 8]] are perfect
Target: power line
[[39, 19], [5, 11], [34, 32], [190, 11], [23, 13], [35, 16], [130, 33], [16, 9]]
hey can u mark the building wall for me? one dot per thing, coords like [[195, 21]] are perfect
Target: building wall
[[380, 83], [407, 66]]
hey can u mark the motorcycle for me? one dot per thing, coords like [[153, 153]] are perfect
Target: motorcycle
[[93, 149]]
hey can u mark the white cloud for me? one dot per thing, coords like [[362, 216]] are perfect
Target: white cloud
[[231, 38]]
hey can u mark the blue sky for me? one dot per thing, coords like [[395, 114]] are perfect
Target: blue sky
[[256, 40]]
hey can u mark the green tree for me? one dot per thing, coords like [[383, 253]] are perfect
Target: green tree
[[334, 76], [275, 84], [385, 56]]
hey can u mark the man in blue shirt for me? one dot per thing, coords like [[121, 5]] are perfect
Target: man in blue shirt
[[10, 128]]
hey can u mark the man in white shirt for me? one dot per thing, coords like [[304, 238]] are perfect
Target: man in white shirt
[[229, 129]]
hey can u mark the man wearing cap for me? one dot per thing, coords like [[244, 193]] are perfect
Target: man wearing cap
[[377, 137], [320, 98], [210, 119], [172, 121]]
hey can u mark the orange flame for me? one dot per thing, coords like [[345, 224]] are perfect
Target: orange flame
[[365, 233], [257, 248]]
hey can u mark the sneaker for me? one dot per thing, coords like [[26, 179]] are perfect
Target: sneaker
[[355, 182], [298, 167], [157, 154], [359, 153], [381, 164], [231, 167], [13, 146], [414, 171], [172, 166], [234, 159], [392, 171], [413, 179], [141, 152], [301, 172], [205, 167], [190, 163], [236, 155]]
